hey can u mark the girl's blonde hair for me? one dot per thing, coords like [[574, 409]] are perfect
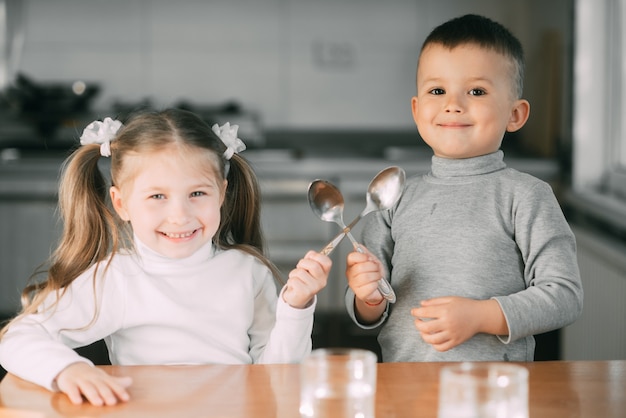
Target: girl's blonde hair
[[92, 231]]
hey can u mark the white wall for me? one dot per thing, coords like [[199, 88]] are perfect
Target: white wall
[[301, 63]]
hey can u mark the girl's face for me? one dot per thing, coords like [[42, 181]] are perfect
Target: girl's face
[[465, 100], [172, 201]]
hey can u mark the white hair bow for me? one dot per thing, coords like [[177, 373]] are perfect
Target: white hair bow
[[101, 133], [228, 135]]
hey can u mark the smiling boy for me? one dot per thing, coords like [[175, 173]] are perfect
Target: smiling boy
[[480, 255]]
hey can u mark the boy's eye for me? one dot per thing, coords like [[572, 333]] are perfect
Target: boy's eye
[[477, 92], [157, 196], [437, 91]]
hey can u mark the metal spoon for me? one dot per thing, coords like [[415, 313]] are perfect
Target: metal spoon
[[383, 192]]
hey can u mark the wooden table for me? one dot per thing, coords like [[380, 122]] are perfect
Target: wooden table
[[557, 389]]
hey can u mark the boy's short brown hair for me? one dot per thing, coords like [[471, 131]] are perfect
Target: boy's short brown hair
[[485, 33]]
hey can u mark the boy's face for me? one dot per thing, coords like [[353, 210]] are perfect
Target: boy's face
[[465, 100]]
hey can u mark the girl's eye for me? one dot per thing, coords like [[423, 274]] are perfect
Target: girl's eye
[[157, 196], [437, 91], [196, 194], [477, 92]]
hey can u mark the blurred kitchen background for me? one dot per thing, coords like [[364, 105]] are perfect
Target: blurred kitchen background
[[320, 89]]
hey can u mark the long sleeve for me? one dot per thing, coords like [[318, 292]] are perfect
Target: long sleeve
[[37, 347], [290, 338], [554, 295]]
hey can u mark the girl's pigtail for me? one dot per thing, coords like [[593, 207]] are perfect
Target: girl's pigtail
[[241, 211], [241, 214], [89, 231]]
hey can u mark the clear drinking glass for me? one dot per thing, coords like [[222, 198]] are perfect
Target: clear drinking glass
[[485, 390], [338, 382]]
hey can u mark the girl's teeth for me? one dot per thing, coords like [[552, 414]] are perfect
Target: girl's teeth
[[185, 235]]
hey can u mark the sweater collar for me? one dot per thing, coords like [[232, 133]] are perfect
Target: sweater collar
[[448, 168], [152, 261]]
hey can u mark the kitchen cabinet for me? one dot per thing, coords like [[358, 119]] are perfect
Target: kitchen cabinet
[[599, 333], [28, 231], [31, 228], [28, 223]]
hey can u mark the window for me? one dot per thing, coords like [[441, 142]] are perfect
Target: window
[[617, 61], [599, 128]]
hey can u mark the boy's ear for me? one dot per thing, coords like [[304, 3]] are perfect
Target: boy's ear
[[116, 200], [519, 115], [414, 104]]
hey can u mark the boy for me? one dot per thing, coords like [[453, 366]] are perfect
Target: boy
[[480, 255]]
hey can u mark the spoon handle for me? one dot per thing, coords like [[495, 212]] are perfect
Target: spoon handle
[[386, 290], [356, 245], [328, 248]]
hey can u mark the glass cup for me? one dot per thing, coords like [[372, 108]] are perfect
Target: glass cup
[[338, 382], [485, 390]]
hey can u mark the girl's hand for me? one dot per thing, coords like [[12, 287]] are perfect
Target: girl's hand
[[307, 279], [98, 387], [449, 321]]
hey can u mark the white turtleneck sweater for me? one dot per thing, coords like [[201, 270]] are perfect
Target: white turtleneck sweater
[[212, 307], [474, 228]]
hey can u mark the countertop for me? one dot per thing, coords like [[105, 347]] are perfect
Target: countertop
[[555, 389]]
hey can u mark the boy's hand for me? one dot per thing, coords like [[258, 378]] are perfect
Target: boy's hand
[[307, 279], [98, 387], [363, 272], [446, 322]]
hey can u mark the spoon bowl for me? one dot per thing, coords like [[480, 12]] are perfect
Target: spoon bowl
[[383, 192], [326, 201]]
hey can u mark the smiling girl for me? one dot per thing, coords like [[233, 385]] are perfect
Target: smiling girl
[[165, 264]]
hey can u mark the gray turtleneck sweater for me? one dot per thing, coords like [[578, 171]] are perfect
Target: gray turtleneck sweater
[[476, 229]]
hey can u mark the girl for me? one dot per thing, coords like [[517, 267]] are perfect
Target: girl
[[174, 274]]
